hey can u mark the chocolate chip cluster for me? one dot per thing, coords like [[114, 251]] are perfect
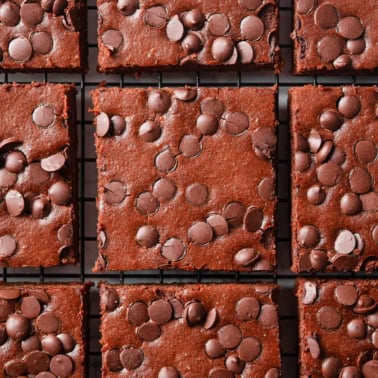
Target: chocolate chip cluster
[[315, 152], [347, 311], [29, 16], [344, 35], [17, 170], [28, 326], [217, 224]]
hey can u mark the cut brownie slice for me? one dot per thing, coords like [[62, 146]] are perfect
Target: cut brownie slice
[[47, 35], [338, 328], [217, 330], [335, 36], [42, 330], [37, 175], [134, 35], [186, 178], [334, 178]]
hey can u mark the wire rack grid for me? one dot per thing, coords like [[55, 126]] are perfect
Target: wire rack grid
[[87, 185]]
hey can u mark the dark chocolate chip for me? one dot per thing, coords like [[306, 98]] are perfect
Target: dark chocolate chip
[[308, 236], [146, 203], [9, 13], [370, 368], [253, 219], [249, 349], [54, 162], [214, 349], [67, 341], [148, 332], [147, 236], [222, 49], [345, 242], [301, 143], [194, 313], [31, 13], [266, 188], [324, 151], [7, 179], [329, 48], [110, 299], [169, 372], [127, 7], [346, 295], [247, 308], [331, 120], [235, 122], [369, 202], [264, 141], [15, 162], [318, 260], [164, 189], [8, 246], [114, 192], [10, 294], [118, 124], [272, 373], [42, 42], [246, 257], [40, 294], [246, 53], [212, 106], [14, 368], [58, 7], [60, 193], [316, 195], [14, 202], [326, 16], [234, 364], [365, 151], [365, 305], [43, 116], [17, 326], [356, 329], [218, 24], [349, 106], [113, 361], [252, 28], [47, 5], [211, 319], [65, 234], [329, 174], [160, 311], [197, 194], [30, 344], [178, 308], [234, 214], [350, 27], [137, 314], [156, 16], [112, 39], [207, 124], [313, 347], [331, 367], [342, 62], [61, 365], [150, 131], [102, 124], [47, 323], [131, 358], [328, 317], [36, 174], [3, 333], [356, 46], [190, 146], [192, 43], [159, 101], [20, 49], [350, 204], [360, 180], [30, 307], [304, 262], [350, 372], [193, 19], [185, 94], [200, 233], [40, 207], [230, 336], [305, 6], [218, 224], [302, 161], [268, 316], [173, 249], [165, 161], [314, 141], [51, 345], [344, 263], [175, 29], [338, 156]]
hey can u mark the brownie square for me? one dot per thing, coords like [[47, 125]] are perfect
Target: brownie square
[[185, 178], [338, 36], [176, 34], [338, 321], [38, 209], [47, 35], [42, 330], [334, 178], [196, 330]]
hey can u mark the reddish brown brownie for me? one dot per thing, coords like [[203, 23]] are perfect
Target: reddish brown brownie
[[338, 328], [42, 330], [191, 331], [46, 35], [334, 178], [186, 178], [37, 175], [176, 34], [335, 36]]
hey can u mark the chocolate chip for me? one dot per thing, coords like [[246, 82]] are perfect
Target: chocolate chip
[[250, 4], [350, 204], [349, 106], [156, 16], [230, 336], [147, 236], [114, 192], [47, 5], [190, 146], [42, 42], [36, 174], [356, 46], [346, 295], [15, 162], [192, 43], [345, 242], [331, 367], [304, 262], [9, 294], [349, 372], [318, 260], [169, 372], [160, 311], [246, 257], [9, 14], [178, 308], [310, 293], [350, 27], [7, 179], [8, 246], [253, 219], [369, 369], [328, 317], [3, 333], [146, 203], [272, 373], [360, 180], [245, 51], [326, 16], [30, 307], [369, 202], [221, 373], [193, 19], [194, 313], [316, 195], [51, 345], [235, 123], [54, 162], [252, 28], [6, 308], [110, 299], [249, 349], [112, 39], [266, 188], [102, 124], [118, 124], [331, 120], [372, 320], [127, 7], [314, 141], [234, 214], [137, 313], [329, 48], [47, 323], [14, 202], [212, 106], [234, 364], [207, 124], [43, 116], [159, 101], [41, 207], [218, 224], [58, 7], [268, 316], [344, 263], [173, 249], [308, 236], [164, 189], [148, 332], [165, 161], [17, 326], [264, 141], [329, 174], [365, 305], [60, 193], [214, 349], [20, 49], [313, 347], [40, 294], [374, 235], [342, 62], [61, 365], [338, 156], [185, 94], [67, 341], [356, 329], [14, 368], [218, 24], [324, 151], [247, 308], [365, 151], [31, 13], [305, 6], [302, 161], [211, 319], [197, 194], [222, 49], [113, 361], [200, 233]]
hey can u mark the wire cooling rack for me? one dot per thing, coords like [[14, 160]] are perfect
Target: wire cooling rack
[[87, 185]]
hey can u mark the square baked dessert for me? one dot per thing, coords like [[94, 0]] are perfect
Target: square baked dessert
[[176, 34], [195, 330], [38, 209], [334, 178], [42, 330], [335, 36], [185, 178], [46, 35], [338, 328]]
